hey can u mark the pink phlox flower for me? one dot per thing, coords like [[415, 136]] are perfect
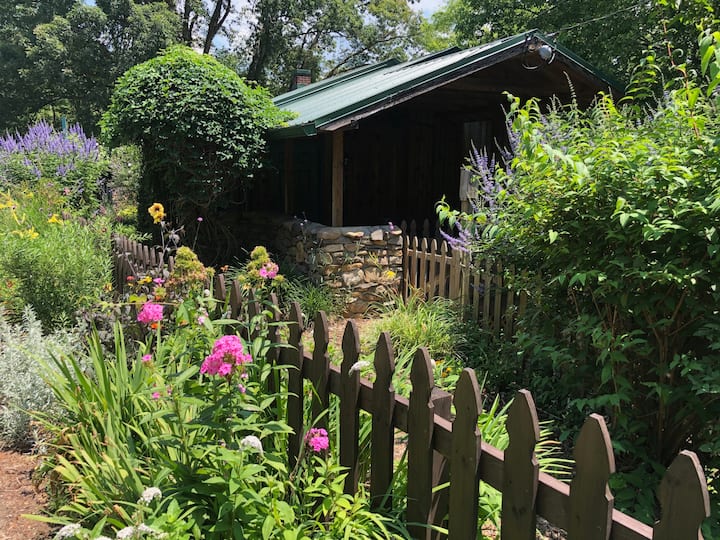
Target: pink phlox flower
[[146, 357], [156, 395], [242, 388], [227, 351], [225, 369], [269, 270], [201, 319], [158, 281], [150, 313], [317, 439]]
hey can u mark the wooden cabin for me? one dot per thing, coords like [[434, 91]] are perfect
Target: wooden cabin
[[385, 142]]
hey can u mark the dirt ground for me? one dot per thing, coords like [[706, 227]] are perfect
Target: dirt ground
[[18, 496]]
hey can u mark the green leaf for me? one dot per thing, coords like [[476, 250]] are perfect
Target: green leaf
[[552, 235]]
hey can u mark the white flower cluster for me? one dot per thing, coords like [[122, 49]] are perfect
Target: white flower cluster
[[149, 494], [251, 441], [68, 530]]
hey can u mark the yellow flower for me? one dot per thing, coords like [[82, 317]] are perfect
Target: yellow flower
[[55, 219], [390, 274], [30, 233], [157, 211]]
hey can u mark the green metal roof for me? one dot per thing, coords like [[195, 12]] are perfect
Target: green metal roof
[[337, 101]]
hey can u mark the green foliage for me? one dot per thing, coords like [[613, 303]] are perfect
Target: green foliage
[[613, 35], [613, 212], [312, 297], [211, 444], [291, 35], [23, 348], [200, 129], [53, 264]]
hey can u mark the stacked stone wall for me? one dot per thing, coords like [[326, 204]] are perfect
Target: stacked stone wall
[[363, 264]]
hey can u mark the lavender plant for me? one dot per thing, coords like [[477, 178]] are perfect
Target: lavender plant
[[68, 160]]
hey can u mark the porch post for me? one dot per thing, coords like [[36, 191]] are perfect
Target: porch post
[[337, 178], [289, 177]]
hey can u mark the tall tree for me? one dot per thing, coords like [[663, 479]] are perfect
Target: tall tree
[[74, 59], [614, 34], [325, 36], [17, 21], [203, 21]]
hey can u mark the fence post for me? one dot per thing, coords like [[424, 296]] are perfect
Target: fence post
[[684, 500], [406, 266], [293, 357], [420, 451], [383, 403], [219, 290], [442, 404], [273, 380], [235, 299], [521, 470], [465, 459], [349, 411], [320, 370], [591, 502]]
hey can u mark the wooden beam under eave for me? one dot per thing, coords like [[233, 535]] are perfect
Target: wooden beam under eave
[[289, 177], [337, 178]]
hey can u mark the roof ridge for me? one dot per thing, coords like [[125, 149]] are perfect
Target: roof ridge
[[318, 86]]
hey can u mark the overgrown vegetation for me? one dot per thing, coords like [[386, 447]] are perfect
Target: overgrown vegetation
[[201, 156], [613, 212], [23, 348]]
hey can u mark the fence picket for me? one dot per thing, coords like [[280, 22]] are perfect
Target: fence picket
[[349, 410], [383, 404], [235, 299], [521, 470], [320, 370], [253, 307], [498, 291], [465, 459], [442, 278], [487, 288], [422, 267], [420, 451], [293, 356], [414, 264], [431, 287], [591, 502], [684, 500], [220, 291], [273, 380], [509, 312]]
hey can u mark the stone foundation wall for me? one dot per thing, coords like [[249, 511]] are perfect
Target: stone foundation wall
[[362, 263]]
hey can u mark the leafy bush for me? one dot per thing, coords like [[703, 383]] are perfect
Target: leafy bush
[[71, 162], [23, 348], [48, 259], [614, 213], [200, 129], [178, 421]]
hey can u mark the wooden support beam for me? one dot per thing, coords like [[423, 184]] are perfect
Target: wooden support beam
[[337, 178], [289, 177]]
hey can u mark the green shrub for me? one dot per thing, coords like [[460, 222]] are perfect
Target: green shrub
[[613, 212], [210, 444], [55, 263], [200, 128], [69, 162], [312, 297], [23, 349]]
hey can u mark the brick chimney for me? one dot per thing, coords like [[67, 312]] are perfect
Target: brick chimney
[[301, 78]]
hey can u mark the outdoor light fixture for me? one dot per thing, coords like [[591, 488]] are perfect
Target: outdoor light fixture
[[546, 52]]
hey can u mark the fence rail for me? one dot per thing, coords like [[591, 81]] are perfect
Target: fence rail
[[441, 446], [482, 288]]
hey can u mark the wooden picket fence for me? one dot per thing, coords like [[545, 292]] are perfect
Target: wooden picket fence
[[481, 288], [443, 445]]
